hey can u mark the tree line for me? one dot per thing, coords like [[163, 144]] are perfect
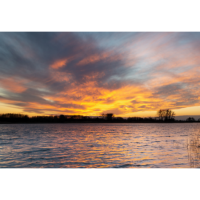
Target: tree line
[[169, 115], [162, 116]]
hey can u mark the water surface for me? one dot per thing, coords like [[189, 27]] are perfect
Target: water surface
[[135, 145]]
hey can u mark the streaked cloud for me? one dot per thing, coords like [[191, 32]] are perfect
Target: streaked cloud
[[92, 73], [12, 85]]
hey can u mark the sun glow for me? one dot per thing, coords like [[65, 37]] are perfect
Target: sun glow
[[76, 73]]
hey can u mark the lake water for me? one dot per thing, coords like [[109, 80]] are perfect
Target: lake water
[[136, 145]]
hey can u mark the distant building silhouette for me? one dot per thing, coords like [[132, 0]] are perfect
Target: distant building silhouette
[[109, 116]]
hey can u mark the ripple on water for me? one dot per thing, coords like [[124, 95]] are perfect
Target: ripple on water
[[100, 145]]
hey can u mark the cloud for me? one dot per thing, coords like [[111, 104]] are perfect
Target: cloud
[[116, 111], [167, 90], [87, 73], [12, 85], [59, 63]]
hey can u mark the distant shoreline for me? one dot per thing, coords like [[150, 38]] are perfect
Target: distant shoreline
[[11, 118], [107, 122]]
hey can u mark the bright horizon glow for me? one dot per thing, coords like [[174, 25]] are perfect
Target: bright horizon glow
[[191, 111], [127, 74]]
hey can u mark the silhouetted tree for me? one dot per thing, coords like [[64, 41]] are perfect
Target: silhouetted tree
[[160, 114], [190, 119], [103, 115], [109, 116], [167, 115], [62, 118]]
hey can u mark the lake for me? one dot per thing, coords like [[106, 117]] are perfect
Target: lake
[[105, 145]]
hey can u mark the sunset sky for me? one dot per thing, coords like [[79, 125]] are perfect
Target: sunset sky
[[74, 73]]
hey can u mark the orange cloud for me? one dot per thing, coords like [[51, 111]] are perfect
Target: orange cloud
[[162, 74], [92, 59], [59, 63], [12, 85], [97, 100], [109, 55]]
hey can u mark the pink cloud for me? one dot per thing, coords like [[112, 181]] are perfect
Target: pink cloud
[[12, 85], [59, 63]]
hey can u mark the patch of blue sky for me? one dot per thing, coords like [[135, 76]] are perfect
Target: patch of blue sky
[[116, 78], [181, 69], [109, 40], [189, 36], [45, 90], [2, 92]]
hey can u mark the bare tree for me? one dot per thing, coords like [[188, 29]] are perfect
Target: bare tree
[[103, 115], [166, 115], [160, 114]]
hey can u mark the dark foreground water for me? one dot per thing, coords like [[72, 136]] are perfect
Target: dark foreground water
[[100, 145]]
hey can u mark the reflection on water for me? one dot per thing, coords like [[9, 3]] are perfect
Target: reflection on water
[[100, 145], [194, 150]]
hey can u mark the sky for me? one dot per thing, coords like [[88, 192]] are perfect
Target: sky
[[90, 73]]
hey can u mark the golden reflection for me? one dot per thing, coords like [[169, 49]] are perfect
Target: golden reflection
[[95, 145]]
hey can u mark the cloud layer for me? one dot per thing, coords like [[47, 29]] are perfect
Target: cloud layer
[[92, 73]]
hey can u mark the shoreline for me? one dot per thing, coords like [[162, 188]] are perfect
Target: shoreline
[[110, 122]]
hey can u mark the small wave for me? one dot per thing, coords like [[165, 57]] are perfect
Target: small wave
[[123, 166], [39, 150], [90, 145], [5, 143]]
